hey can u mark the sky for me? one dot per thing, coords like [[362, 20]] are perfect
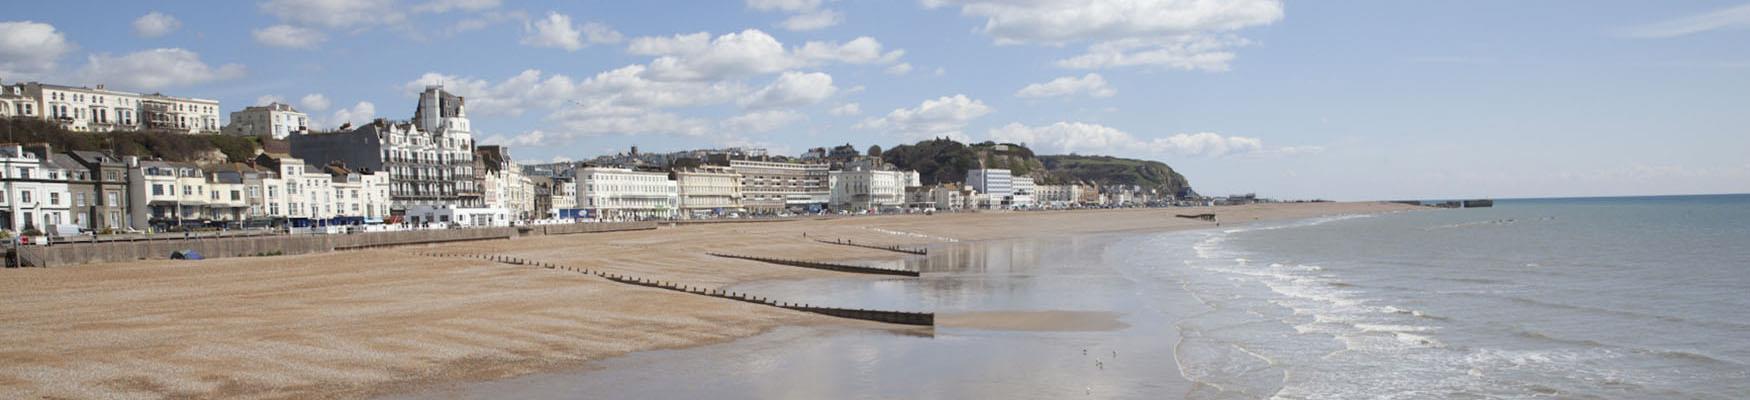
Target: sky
[[1349, 100]]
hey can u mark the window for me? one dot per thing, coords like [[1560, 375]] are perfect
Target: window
[[236, 195], [187, 190], [112, 199], [24, 196], [23, 173], [79, 199]]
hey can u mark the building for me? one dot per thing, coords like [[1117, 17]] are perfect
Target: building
[[104, 180], [430, 160], [503, 184], [99, 109], [1058, 196], [166, 195], [862, 186], [15, 104], [35, 191], [179, 114], [772, 186], [276, 120], [619, 194], [555, 197], [458, 216], [362, 196], [1022, 191], [79, 109], [996, 185], [708, 190]]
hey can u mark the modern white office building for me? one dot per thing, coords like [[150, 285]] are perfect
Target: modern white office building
[[620, 194], [995, 184], [1022, 191]]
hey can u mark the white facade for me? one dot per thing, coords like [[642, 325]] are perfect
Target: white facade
[[708, 190], [446, 215], [81, 109], [358, 194], [1022, 192], [621, 194], [864, 188], [276, 120], [1058, 196], [996, 185], [166, 193], [33, 191], [771, 186]]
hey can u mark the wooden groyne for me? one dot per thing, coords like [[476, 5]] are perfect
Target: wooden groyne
[[892, 317], [857, 269], [895, 249]]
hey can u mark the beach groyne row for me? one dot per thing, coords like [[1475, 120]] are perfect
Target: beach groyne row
[[892, 317], [599, 227], [857, 269], [896, 249], [76, 253]]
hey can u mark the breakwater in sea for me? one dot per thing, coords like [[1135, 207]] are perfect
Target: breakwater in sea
[[857, 269], [896, 249], [892, 317]]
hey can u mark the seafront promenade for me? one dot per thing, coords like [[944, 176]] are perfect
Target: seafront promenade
[[350, 324]]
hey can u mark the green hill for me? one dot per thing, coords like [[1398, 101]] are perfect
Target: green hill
[[946, 161], [1108, 170]]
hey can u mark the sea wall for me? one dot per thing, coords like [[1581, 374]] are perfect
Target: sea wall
[[67, 254]]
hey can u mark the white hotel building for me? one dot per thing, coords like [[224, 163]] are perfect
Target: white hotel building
[[277, 120], [708, 190], [98, 109], [619, 194]]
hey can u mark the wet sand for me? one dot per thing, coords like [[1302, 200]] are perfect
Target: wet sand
[[365, 323]]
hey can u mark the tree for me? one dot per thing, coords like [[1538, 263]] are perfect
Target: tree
[[875, 150]]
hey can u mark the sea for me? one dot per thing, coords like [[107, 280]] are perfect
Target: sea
[[1588, 298]]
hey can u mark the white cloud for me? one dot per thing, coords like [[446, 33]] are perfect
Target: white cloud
[[485, 19], [336, 14], [155, 24], [784, 5], [30, 49], [762, 121], [269, 99], [1079, 137], [314, 102], [899, 69], [806, 15], [557, 31], [287, 36], [1091, 84], [846, 110], [821, 19], [1735, 17], [358, 114], [442, 6], [529, 139], [155, 69], [698, 56], [862, 50], [793, 89], [1170, 33], [1187, 52], [944, 116]]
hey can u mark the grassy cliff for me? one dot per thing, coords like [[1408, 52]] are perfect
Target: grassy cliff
[[946, 161], [165, 145]]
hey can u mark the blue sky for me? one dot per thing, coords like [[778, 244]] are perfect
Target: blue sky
[[1344, 100]]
